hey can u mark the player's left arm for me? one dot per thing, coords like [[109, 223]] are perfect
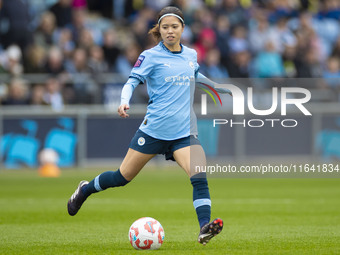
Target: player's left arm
[[201, 80], [126, 95]]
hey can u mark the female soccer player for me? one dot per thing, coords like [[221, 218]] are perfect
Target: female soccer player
[[169, 126]]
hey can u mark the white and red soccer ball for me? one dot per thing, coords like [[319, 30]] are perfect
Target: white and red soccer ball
[[146, 234]]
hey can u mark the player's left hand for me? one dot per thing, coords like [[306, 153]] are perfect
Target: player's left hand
[[224, 91], [122, 110]]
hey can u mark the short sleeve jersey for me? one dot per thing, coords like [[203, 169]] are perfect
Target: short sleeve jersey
[[170, 82]]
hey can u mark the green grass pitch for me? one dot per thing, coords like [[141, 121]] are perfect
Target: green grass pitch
[[261, 216]]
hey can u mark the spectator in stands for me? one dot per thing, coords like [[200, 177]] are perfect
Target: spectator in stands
[[97, 63], [186, 39], [282, 34], [79, 4], [43, 36], [81, 21], [236, 14], [55, 61], [98, 66], [110, 48], [125, 62], [15, 21], [260, 33], [85, 39], [105, 8], [12, 61], [205, 17], [206, 41], [211, 67], [52, 95], [308, 64], [35, 59], [268, 63], [307, 37], [326, 30], [63, 39], [336, 48], [17, 93], [77, 68], [282, 8], [37, 95], [309, 55], [238, 41], [62, 10], [222, 37], [239, 67], [140, 28], [147, 14], [332, 72], [288, 57], [78, 23], [329, 9], [69, 94]]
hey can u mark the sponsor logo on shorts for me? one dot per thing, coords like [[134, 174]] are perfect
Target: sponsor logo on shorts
[[141, 141]]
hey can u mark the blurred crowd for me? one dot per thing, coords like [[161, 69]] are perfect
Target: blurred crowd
[[75, 42]]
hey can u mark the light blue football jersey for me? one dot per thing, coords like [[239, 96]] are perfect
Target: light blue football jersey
[[170, 82]]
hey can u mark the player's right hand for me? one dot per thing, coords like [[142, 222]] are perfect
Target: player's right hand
[[122, 110]]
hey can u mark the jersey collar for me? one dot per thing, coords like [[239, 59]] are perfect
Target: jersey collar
[[173, 52]]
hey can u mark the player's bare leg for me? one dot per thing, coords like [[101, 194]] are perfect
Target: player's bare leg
[[189, 157], [133, 162]]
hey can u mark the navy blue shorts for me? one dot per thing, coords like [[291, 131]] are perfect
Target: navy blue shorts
[[146, 144]]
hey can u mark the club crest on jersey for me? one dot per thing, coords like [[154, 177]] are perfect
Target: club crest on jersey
[[139, 61], [191, 64], [141, 141]]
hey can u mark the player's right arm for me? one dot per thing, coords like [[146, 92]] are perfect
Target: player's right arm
[[127, 91], [139, 72]]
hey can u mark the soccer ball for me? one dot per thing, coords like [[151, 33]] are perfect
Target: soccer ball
[[146, 234], [48, 156]]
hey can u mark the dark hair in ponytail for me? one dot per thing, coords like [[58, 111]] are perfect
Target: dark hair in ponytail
[[169, 9]]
